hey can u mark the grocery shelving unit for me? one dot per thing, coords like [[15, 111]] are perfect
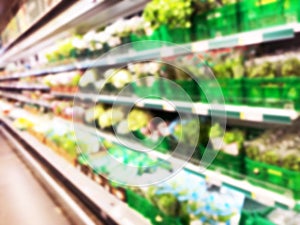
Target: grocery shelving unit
[[104, 204], [243, 113], [66, 16]]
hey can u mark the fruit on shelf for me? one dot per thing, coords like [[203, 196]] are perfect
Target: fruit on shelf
[[276, 147], [23, 123], [191, 132], [167, 12], [290, 67], [63, 82], [93, 113], [262, 70], [137, 119], [119, 77], [111, 117]]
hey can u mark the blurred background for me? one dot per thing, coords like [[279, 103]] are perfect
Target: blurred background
[[163, 112]]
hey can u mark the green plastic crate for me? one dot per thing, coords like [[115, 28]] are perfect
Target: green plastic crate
[[257, 175], [256, 14], [143, 42], [273, 92], [190, 90], [231, 90], [253, 210], [144, 90], [223, 21], [230, 165], [257, 220], [200, 30], [292, 11], [291, 91], [274, 175], [175, 35], [148, 210], [161, 145]]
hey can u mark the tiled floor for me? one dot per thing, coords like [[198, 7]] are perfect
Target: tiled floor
[[22, 199]]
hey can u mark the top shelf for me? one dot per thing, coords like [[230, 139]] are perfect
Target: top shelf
[[242, 39], [7, 10], [83, 14]]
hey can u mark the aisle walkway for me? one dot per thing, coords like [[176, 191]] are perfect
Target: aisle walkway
[[22, 199]]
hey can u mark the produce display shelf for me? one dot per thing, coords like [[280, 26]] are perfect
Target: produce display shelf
[[79, 13], [42, 19], [282, 32], [25, 100], [213, 177], [243, 113], [27, 87], [40, 72], [241, 39], [102, 203]]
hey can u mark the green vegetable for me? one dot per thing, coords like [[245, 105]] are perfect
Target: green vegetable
[[291, 67], [168, 204], [262, 70], [138, 119], [192, 132], [173, 13], [120, 78], [216, 131], [111, 117], [271, 157], [93, 113]]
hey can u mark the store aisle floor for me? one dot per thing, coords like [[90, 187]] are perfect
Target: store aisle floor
[[22, 198]]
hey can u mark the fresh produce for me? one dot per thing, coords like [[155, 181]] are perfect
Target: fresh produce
[[203, 6], [63, 82], [191, 132], [118, 77], [173, 13], [234, 136], [145, 69], [228, 65], [233, 140], [94, 113], [186, 197], [23, 123], [111, 117], [290, 67], [216, 131], [265, 69], [86, 45], [138, 119], [276, 147]]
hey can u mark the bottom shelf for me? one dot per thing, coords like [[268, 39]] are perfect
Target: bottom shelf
[[104, 205], [212, 177]]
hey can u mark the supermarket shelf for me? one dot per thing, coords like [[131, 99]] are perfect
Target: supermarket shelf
[[25, 100], [213, 177], [42, 19], [81, 14], [73, 212], [256, 193], [242, 39], [102, 203], [282, 32], [27, 87], [243, 113], [259, 194], [40, 72], [7, 11]]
